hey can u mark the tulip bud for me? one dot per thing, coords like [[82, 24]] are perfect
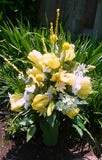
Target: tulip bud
[[40, 101], [72, 113], [66, 46], [39, 77]]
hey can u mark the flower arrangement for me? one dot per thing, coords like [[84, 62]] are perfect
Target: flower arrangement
[[56, 83]]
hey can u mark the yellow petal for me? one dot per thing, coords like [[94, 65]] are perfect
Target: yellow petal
[[70, 53], [55, 77], [51, 61], [33, 71], [35, 57], [67, 78]]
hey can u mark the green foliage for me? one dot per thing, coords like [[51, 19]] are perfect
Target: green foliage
[[25, 9], [30, 132]]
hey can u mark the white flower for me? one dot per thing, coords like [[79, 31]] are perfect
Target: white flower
[[81, 70], [21, 76], [27, 99], [51, 90], [46, 69], [60, 87], [30, 88], [66, 103]]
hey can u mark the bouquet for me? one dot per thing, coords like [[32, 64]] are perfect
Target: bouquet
[[55, 84]]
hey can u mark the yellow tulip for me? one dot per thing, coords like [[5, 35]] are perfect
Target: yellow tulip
[[72, 113], [35, 57], [51, 61], [86, 88], [40, 101], [70, 53], [16, 101], [67, 78]]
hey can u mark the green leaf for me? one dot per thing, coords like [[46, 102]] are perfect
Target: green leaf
[[26, 121], [89, 134], [94, 58], [79, 130], [51, 119], [37, 89], [100, 122], [79, 122], [5, 140], [29, 81], [30, 132]]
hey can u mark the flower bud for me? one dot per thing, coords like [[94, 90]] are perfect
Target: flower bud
[[72, 113], [40, 101], [39, 77], [51, 61], [66, 46], [53, 38]]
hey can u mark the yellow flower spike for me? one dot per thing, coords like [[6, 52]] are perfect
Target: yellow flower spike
[[57, 19], [51, 60], [86, 88], [72, 113], [51, 29], [39, 77], [35, 57], [53, 38], [17, 101], [40, 101], [66, 46], [13, 66], [45, 49]]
